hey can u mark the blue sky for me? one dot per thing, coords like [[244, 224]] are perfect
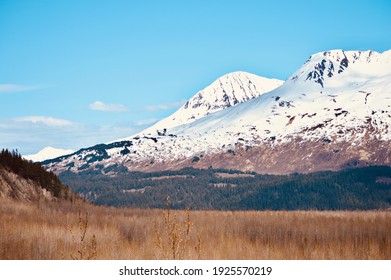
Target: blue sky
[[75, 73]]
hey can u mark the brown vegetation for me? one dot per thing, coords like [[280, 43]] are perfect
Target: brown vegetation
[[173, 239], [79, 231], [233, 175]]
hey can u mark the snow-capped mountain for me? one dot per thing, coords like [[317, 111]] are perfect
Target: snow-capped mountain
[[48, 153], [227, 91], [334, 112]]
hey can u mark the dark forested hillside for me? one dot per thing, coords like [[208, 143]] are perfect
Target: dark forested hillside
[[19, 175], [361, 188]]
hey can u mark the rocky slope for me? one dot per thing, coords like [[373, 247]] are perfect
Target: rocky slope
[[16, 187], [23, 180], [333, 113]]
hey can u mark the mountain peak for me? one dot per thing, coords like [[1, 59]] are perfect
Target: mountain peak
[[323, 67], [227, 91], [47, 153]]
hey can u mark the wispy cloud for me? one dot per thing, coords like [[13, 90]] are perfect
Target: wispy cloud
[[166, 106], [100, 106], [8, 88], [48, 121]]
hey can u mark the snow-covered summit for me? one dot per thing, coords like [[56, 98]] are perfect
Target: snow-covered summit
[[322, 68], [47, 153], [227, 91], [328, 85]]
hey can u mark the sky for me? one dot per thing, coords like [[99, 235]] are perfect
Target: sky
[[75, 73]]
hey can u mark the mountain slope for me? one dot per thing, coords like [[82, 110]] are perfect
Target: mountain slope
[[26, 181], [334, 112], [227, 91]]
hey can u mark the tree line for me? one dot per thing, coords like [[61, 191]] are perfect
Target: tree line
[[352, 189]]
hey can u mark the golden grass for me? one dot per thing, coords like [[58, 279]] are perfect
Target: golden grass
[[173, 239], [59, 231]]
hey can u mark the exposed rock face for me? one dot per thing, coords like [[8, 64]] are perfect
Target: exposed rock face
[[302, 157], [18, 188], [24, 180]]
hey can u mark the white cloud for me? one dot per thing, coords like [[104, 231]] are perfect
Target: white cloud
[[15, 88], [48, 121], [167, 106], [100, 106]]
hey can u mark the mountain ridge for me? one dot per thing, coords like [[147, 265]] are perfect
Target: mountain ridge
[[336, 100]]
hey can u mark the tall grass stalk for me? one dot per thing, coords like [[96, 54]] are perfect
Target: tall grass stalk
[[173, 239]]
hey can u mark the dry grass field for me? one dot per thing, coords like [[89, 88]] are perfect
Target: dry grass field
[[81, 231]]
